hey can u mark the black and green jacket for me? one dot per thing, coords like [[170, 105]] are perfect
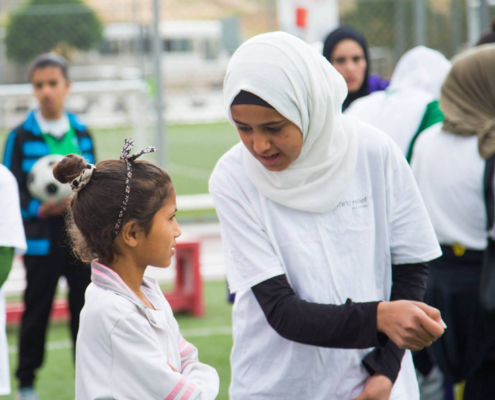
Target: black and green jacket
[[24, 146]]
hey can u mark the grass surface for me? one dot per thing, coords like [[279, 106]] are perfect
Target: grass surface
[[193, 151], [56, 378]]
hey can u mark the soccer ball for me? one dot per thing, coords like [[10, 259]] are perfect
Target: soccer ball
[[41, 183]]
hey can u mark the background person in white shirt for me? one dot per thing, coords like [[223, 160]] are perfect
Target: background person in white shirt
[[129, 345], [449, 163], [410, 104], [315, 208], [402, 111], [12, 241]]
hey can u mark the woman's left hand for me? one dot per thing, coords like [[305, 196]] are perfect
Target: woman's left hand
[[377, 387]]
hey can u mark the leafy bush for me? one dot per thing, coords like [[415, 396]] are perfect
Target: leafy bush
[[41, 26]]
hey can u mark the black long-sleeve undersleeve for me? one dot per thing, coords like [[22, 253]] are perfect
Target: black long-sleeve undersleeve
[[347, 326], [408, 283], [351, 325]]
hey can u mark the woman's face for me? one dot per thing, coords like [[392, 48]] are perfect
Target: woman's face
[[348, 58], [272, 139]]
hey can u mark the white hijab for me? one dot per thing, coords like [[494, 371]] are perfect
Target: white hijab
[[399, 110], [421, 68], [303, 87]]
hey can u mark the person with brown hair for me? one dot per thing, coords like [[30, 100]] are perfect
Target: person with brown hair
[[122, 219], [450, 163]]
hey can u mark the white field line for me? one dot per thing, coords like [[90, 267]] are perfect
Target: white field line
[[187, 333], [190, 172]]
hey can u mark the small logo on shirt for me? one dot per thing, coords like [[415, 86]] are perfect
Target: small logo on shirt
[[362, 202]]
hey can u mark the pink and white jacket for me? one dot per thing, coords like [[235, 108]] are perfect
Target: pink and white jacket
[[124, 349]]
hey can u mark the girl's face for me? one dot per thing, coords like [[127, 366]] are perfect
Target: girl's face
[[348, 58], [272, 139], [159, 246]]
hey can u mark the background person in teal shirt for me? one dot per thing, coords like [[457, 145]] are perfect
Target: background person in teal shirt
[[48, 130]]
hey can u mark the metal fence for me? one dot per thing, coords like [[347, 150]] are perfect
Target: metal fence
[[113, 40], [394, 26]]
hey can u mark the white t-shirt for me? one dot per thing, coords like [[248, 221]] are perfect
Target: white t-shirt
[[11, 235], [55, 127], [345, 253], [11, 226], [449, 172], [397, 113]]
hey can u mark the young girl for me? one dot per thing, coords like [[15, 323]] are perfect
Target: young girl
[[129, 346], [322, 224]]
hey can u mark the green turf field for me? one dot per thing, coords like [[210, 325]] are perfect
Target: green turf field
[[211, 334], [193, 151]]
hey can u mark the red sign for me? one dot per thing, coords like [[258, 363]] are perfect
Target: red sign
[[301, 16]]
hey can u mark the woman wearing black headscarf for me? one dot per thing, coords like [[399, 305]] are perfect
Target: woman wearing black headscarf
[[347, 51]]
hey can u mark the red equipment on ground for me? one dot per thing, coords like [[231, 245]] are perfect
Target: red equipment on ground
[[186, 296]]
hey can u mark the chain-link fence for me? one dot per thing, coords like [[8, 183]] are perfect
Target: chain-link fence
[[112, 41], [394, 26]]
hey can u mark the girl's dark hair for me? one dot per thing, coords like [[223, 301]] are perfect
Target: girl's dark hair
[[94, 210]]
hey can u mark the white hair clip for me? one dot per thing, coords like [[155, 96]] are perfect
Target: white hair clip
[[84, 177]]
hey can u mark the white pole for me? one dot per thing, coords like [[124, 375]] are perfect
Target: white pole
[[473, 21], [420, 23], [485, 15], [161, 134]]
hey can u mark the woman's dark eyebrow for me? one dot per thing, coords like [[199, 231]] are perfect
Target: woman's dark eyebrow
[[267, 124], [273, 122]]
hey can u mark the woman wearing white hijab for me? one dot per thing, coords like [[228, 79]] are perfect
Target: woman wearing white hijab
[[315, 208], [410, 104]]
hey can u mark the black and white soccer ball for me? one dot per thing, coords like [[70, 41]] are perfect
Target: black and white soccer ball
[[41, 183]]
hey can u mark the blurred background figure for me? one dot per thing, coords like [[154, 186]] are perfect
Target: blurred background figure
[[489, 35], [46, 131], [12, 241], [449, 165], [410, 104], [348, 52]]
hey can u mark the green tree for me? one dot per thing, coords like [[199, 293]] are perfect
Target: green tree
[[41, 26]]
